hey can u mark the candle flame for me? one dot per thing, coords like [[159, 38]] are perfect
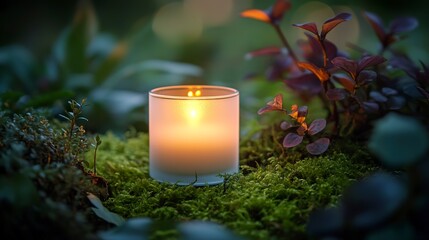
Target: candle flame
[[192, 94]]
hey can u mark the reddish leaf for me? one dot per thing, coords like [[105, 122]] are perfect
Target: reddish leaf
[[377, 96], [396, 102], [389, 91], [302, 129], [336, 94], [331, 49], [274, 105], [285, 125], [292, 140], [299, 114], [423, 92], [320, 73], [425, 69], [403, 24], [279, 8], [302, 111], [331, 23], [319, 146], [366, 76], [294, 111], [305, 83], [370, 61], [370, 107], [263, 52], [347, 83], [376, 24], [294, 108], [257, 15], [312, 50], [403, 62], [347, 65], [311, 27], [316, 126]]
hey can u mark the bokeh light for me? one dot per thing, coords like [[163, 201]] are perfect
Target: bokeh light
[[212, 13], [176, 24]]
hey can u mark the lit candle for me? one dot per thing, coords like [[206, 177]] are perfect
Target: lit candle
[[193, 134]]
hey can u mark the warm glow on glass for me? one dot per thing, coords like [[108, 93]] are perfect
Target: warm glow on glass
[[191, 133]]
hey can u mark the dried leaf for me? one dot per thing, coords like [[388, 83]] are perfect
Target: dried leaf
[[347, 65], [299, 114], [320, 73], [294, 108], [376, 24], [347, 83], [292, 140], [331, 23], [369, 61], [274, 105], [336, 94], [285, 125], [316, 126], [302, 129], [403, 24], [311, 27], [294, 111], [278, 10], [319, 146], [377, 96], [257, 15]]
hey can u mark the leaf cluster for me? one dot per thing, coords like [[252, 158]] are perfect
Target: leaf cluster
[[299, 127], [43, 182], [384, 205], [354, 92]]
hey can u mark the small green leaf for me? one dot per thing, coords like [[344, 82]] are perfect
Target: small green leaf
[[103, 212], [83, 118], [399, 141]]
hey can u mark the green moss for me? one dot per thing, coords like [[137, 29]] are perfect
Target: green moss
[[271, 197]]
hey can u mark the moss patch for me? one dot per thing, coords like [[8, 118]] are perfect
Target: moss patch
[[270, 198]]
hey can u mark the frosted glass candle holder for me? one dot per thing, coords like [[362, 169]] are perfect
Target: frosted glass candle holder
[[193, 134]]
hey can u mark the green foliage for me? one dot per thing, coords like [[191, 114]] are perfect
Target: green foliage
[[43, 183], [87, 63], [271, 197], [385, 205], [103, 212], [399, 141]]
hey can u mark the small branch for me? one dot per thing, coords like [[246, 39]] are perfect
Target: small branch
[[325, 55], [335, 115], [286, 43], [95, 159]]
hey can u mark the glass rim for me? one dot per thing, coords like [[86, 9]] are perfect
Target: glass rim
[[155, 92]]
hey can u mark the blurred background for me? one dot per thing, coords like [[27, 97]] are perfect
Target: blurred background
[[114, 52]]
